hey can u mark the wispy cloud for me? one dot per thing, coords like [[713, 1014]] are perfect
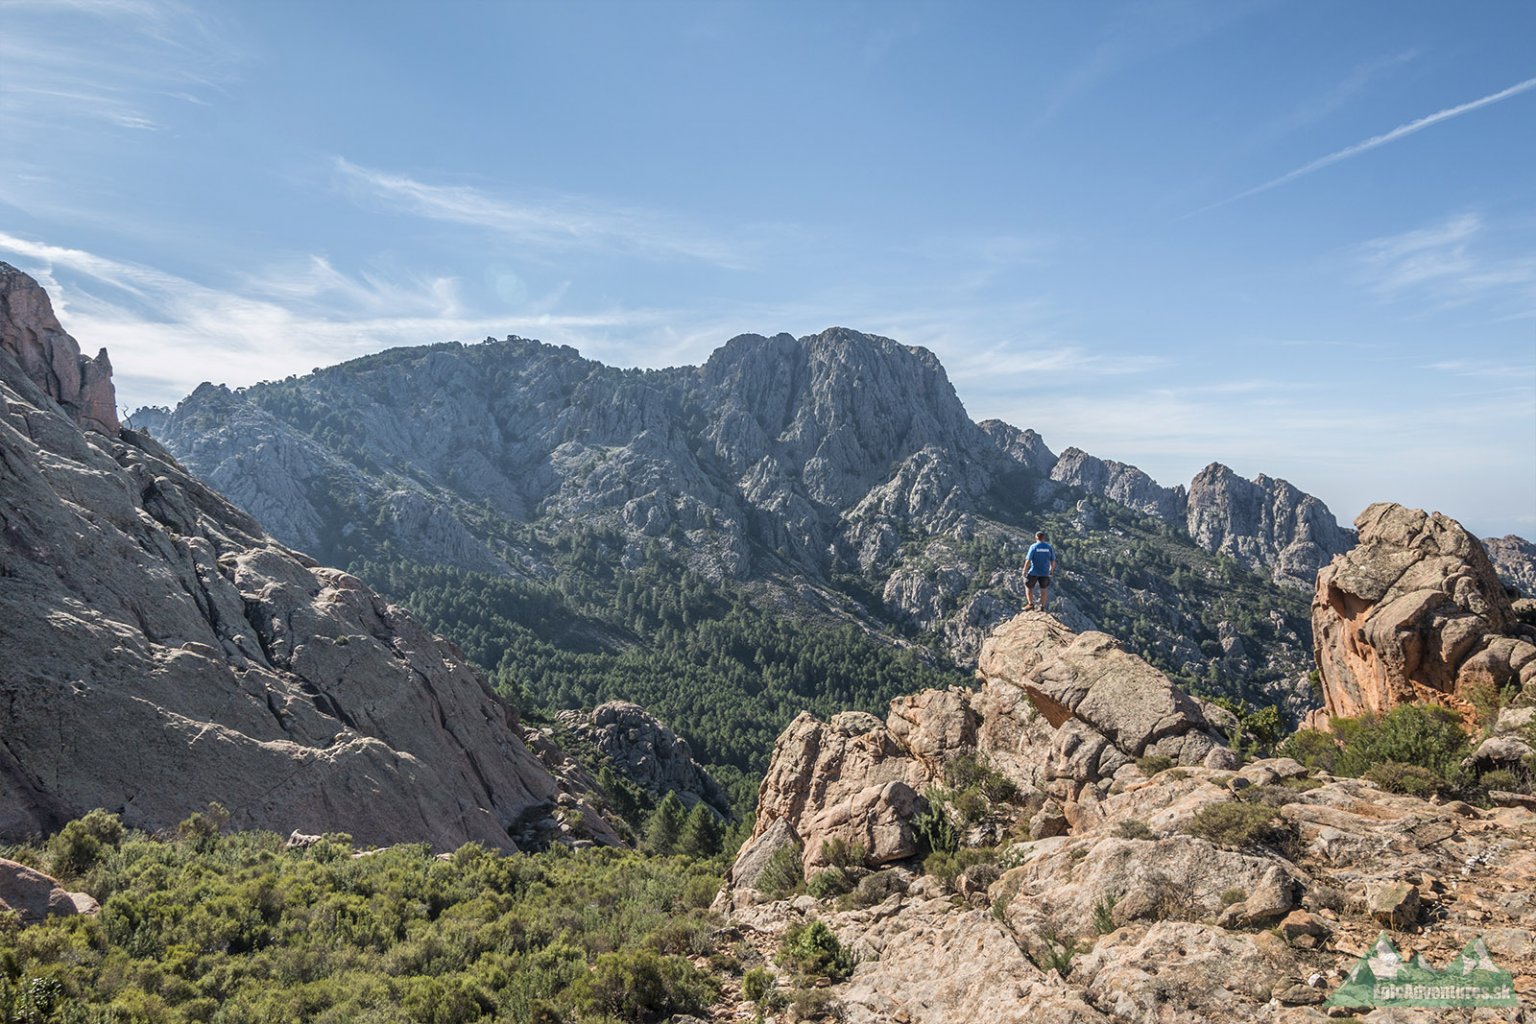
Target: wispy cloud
[[1450, 263], [1400, 132], [550, 222]]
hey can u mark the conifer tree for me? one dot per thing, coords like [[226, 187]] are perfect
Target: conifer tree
[[701, 834], [665, 827]]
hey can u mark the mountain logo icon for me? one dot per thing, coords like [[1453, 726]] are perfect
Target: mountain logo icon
[[1383, 977]]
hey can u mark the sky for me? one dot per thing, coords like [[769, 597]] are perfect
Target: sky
[[1298, 238]]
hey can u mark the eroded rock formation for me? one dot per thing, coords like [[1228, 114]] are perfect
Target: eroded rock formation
[[1416, 612], [1060, 715], [645, 750], [158, 651], [1134, 905]]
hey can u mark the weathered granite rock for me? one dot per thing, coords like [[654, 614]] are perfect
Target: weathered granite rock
[[1091, 679], [32, 896], [51, 358], [1514, 559], [647, 752], [158, 651], [1121, 483], [1415, 612], [1264, 523]]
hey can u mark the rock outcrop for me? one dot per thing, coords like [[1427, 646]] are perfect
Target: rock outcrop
[[1514, 558], [1263, 523], [1061, 716], [31, 334], [33, 896], [1121, 483], [1416, 612], [643, 749], [1141, 901], [158, 651]]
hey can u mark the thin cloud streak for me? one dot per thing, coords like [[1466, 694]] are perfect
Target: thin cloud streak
[[560, 223], [1375, 141]]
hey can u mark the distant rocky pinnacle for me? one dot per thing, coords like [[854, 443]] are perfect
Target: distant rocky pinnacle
[[1416, 613], [158, 651]]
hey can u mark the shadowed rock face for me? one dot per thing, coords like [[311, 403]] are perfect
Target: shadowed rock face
[[1416, 612], [159, 651]]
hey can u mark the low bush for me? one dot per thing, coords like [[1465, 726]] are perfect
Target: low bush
[[1134, 828], [829, 883], [873, 889], [812, 951], [1238, 824], [1151, 764], [1395, 777], [782, 875]]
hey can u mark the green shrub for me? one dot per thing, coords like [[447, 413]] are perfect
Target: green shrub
[[77, 847], [1312, 748], [1426, 735], [1501, 778], [812, 951], [1060, 951], [782, 874], [970, 806], [757, 983], [935, 832], [643, 985], [1238, 824], [1411, 779], [1104, 915], [947, 867], [1233, 895], [840, 853], [1134, 828], [1151, 764], [828, 883], [873, 889]]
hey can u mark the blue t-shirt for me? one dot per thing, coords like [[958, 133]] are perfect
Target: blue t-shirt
[[1040, 557]]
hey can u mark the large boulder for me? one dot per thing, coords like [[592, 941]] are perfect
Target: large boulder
[[33, 896], [1118, 700], [1415, 612]]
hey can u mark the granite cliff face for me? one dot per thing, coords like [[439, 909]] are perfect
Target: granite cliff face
[[1416, 612], [1093, 889], [159, 651]]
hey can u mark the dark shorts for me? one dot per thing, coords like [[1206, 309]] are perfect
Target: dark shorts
[[1038, 581]]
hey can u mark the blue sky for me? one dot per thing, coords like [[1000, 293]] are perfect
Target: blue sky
[[1295, 237]]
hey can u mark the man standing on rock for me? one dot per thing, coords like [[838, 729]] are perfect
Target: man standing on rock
[[1042, 566]]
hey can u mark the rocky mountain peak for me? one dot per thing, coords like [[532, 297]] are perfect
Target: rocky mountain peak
[[1263, 522], [30, 332]]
